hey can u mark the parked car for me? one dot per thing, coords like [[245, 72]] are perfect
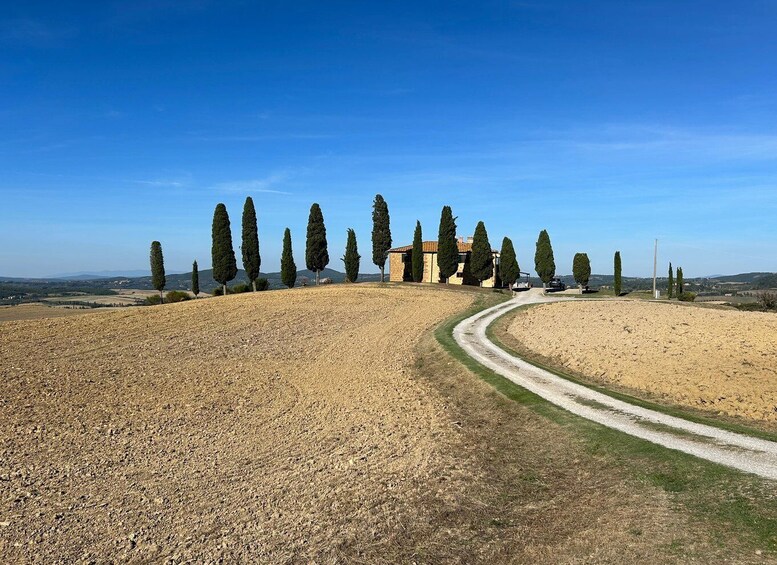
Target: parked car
[[555, 285]]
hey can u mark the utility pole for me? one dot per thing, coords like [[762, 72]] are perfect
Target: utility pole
[[655, 265]]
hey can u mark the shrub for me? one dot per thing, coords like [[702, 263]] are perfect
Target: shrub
[[153, 300], [218, 291], [177, 296], [239, 288], [749, 307], [686, 296], [768, 300], [262, 284]]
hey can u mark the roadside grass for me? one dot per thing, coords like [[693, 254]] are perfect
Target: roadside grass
[[737, 511]]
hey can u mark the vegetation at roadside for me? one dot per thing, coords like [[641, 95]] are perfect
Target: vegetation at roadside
[[544, 262], [482, 259], [736, 511]]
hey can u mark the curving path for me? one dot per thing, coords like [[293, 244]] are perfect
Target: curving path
[[745, 453]]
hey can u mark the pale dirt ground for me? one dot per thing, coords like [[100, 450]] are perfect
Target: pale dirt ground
[[716, 360], [271, 427]]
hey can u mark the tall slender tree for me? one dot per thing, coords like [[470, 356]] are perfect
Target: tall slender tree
[[581, 269], [617, 279], [288, 267], [195, 280], [417, 255], [316, 254], [381, 233], [509, 270], [544, 263], [252, 261], [351, 257], [670, 285], [447, 246], [222, 252], [158, 269], [482, 260], [679, 281]]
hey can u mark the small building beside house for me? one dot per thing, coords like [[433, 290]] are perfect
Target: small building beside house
[[401, 264]]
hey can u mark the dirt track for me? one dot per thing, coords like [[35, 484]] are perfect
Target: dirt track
[[261, 427], [716, 360]]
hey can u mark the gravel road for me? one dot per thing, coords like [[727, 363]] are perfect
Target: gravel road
[[734, 450]]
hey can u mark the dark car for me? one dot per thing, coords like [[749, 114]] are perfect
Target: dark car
[[556, 285]]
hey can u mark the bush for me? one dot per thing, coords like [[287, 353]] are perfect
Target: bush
[[177, 296], [170, 298], [239, 288], [262, 284], [749, 307], [768, 300], [218, 291], [686, 296]]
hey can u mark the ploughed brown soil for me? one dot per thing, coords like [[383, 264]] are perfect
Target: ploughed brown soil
[[316, 425], [717, 360], [274, 426]]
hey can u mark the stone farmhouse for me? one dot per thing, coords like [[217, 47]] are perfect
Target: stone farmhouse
[[401, 260]]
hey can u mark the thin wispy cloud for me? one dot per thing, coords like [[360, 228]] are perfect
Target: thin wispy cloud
[[262, 185]]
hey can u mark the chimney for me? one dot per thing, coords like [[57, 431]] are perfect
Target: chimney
[[469, 239], [461, 239]]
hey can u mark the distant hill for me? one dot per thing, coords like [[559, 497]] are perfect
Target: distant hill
[[183, 281], [92, 275]]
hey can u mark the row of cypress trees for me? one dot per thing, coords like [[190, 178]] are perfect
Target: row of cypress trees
[[316, 250], [675, 288]]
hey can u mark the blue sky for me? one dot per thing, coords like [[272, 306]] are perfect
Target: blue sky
[[607, 123]]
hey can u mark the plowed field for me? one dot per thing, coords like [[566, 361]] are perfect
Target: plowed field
[[717, 360], [264, 427]]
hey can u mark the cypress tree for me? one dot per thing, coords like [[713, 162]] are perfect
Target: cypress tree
[[581, 269], [288, 267], [351, 258], [679, 281], [195, 279], [447, 246], [418, 254], [222, 252], [617, 281], [544, 263], [250, 248], [670, 289], [316, 254], [509, 270], [381, 233], [158, 269], [482, 260]]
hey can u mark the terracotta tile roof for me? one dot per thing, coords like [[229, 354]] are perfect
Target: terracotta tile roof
[[431, 247]]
